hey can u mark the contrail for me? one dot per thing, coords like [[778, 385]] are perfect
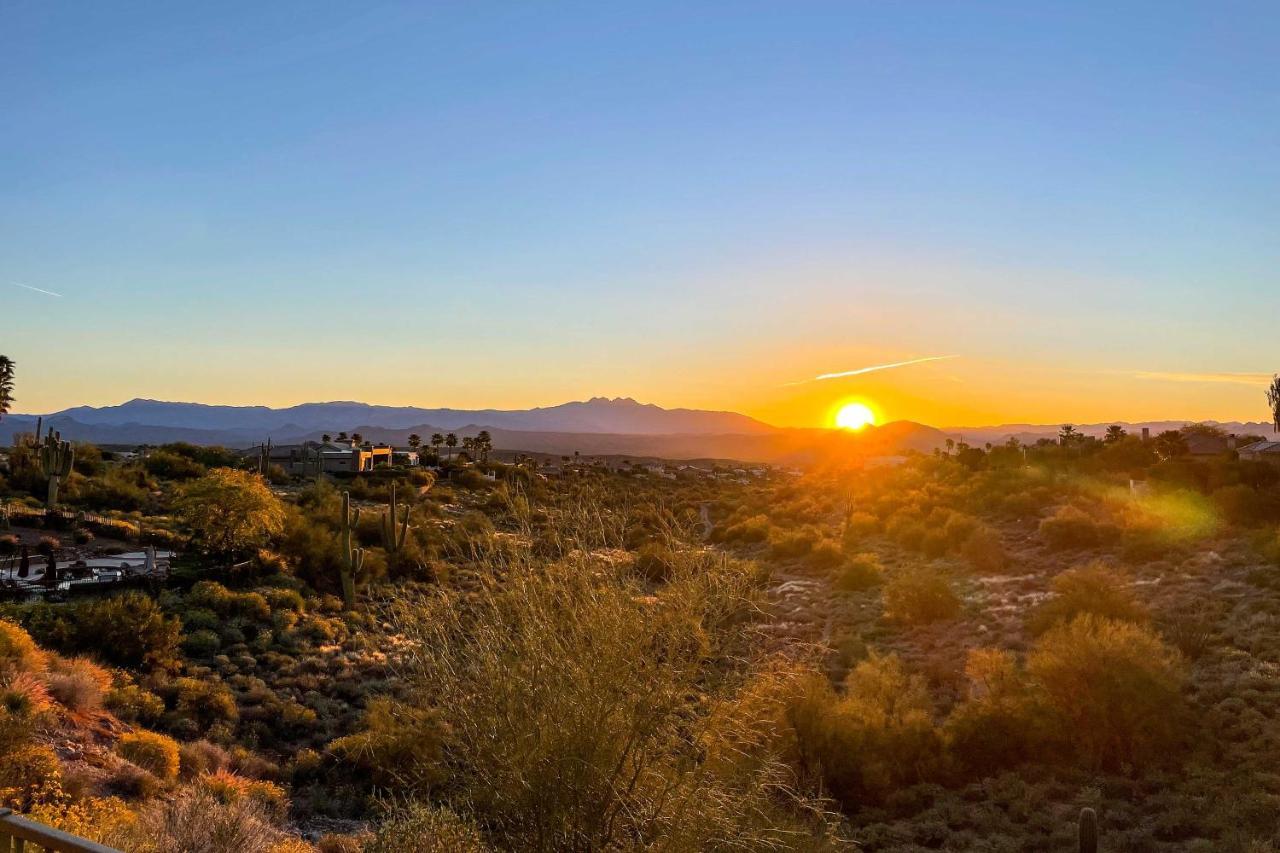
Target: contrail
[[36, 289], [873, 368]]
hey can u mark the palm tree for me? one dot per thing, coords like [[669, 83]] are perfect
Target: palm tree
[[7, 366], [326, 438], [357, 438], [342, 436], [415, 440], [1115, 432], [451, 441], [483, 444]]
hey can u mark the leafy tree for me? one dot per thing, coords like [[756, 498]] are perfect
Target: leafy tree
[[1171, 444], [1273, 400], [1068, 435], [342, 436], [7, 366], [230, 511]]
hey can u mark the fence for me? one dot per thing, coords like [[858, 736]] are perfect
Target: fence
[[20, 835]]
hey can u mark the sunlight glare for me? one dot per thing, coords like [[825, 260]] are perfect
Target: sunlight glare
[[855, 416]]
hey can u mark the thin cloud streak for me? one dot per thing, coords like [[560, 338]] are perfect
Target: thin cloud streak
[[36, 289], [873, 368], [1223, 378]]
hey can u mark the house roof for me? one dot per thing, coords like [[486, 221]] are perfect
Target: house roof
[[1262, 447]]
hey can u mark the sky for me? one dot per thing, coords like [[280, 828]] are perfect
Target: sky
[[699, 204]]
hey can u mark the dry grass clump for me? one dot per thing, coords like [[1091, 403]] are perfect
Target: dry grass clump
[[78, 684], [230, 788], [426, 829], [196, 821], [578, 711]]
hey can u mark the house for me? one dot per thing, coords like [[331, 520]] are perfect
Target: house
[[332, 457], [1209, 445], [1261, 451]]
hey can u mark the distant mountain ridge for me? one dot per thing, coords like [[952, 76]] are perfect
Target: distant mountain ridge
[[1030, 433], [621, 415], [599, 427]]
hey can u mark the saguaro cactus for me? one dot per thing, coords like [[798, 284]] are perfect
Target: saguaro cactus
[[56, 458], [352, 558], [393, 536], [1087, 831]]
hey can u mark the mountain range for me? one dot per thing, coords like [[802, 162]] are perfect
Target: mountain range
[[599, 426]]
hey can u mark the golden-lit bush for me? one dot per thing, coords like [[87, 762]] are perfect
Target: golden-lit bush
[[152, 751], [1071, 527], [398, 744], [1002, 723], [134, 704], [1115, 687], [230, 788], [27, 775], [857, 527], [18, 651], [790, 543], [105, 820], [861, 571], [917, 596], [1093, 588], [875, 737]]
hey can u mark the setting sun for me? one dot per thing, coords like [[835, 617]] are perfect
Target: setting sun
[[855, 416]]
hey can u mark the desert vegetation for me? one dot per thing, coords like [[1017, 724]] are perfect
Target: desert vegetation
[[958, 652]]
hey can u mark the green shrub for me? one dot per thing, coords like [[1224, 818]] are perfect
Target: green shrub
[[1116, 689], [918, 596], [1071, 527], [861, 571], [985, 552], [1094, 589], [134, 704], [874, 738]]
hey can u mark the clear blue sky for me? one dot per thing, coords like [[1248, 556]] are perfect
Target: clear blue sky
[[692, 203]]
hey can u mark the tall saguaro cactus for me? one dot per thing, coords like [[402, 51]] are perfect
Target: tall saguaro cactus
[[352, 558], [1087, 831], [56, 458], [393, 535]]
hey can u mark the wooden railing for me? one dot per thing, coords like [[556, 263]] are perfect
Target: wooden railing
[[19, 835]]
